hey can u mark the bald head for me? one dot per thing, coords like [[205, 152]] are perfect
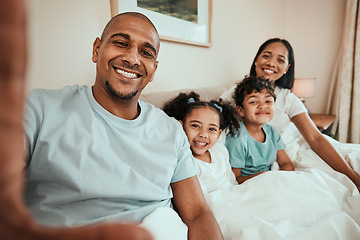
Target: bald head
[[122, 16]]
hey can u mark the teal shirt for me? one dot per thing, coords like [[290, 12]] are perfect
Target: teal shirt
[[86, 165], [250, 155]]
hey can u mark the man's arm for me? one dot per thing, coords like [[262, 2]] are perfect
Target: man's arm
[[194, 211]]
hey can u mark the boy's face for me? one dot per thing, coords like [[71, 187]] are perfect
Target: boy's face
[[258, 108]]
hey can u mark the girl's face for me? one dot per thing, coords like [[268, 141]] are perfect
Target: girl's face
[[258, 108], [202, 127], [273, 62]]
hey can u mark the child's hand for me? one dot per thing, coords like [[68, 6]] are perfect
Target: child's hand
[[240, 179], [284, 161]]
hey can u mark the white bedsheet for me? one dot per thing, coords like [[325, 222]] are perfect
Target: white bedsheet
[[313, 202], [304, 158], [165, 224], [308, 204]]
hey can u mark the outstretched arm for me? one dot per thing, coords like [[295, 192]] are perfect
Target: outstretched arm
[[194, 211], [15, 221], [12, 74], [323, 148]]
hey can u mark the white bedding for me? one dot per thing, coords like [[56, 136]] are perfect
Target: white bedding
[[306, 204], [313, 202]]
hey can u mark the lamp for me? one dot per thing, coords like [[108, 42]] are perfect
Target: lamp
[[304, 88]]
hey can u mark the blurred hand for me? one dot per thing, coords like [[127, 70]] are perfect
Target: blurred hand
[[15, 221]]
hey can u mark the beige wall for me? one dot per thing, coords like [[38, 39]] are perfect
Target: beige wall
[[62, 33]]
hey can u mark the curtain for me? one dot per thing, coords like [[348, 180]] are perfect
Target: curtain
[[344, 99]]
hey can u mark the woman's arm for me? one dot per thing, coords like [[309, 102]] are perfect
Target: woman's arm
[[240, 179], [284, 161], [322, 147]]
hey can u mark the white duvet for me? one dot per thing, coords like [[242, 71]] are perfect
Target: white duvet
[[306, 204], [313, 202]]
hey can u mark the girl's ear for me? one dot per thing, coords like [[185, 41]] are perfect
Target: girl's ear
[[240, 111], [181, 122]]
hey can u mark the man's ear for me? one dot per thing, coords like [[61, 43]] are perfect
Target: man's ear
[[156, 66], [182, 123], [96, 47], [240, 111]]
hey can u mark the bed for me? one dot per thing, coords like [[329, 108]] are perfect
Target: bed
[[313, 202]]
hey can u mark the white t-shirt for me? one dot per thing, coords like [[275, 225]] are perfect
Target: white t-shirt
[[287, 105], [218, 173], [86, 165]]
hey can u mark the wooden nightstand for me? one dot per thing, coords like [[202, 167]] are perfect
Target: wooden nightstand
[[322, 121]]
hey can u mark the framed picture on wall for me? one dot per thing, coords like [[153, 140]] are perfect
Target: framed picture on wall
[[180, 21]]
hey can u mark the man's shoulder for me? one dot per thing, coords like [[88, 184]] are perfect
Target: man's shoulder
[[151, 109], [60, 91], [159, 117], [54, 99]]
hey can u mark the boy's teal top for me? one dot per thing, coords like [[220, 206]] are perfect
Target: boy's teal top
[[250, 155]]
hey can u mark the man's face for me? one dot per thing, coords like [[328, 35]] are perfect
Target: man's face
[[126, 57]]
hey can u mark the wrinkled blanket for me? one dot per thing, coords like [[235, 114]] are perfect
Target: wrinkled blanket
[[313, 202]]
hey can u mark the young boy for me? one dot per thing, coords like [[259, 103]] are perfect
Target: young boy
[[256, 145]]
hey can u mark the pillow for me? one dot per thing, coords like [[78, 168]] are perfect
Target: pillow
[[227, 95]]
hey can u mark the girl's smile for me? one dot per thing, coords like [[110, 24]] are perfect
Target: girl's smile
[[202, 129]]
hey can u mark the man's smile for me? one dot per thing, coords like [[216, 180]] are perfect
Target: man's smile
[[127, 74]]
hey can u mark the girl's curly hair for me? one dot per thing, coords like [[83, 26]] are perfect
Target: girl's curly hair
[[180, 106]]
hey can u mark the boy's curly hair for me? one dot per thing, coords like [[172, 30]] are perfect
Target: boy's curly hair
[[250, 84], [180, 106]]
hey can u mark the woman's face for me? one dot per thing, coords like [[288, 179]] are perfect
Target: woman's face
[[273, 61]]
